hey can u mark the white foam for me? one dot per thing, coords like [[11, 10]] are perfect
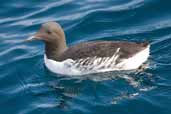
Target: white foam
[[68, 67]]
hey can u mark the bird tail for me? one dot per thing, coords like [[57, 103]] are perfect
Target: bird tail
[[145, 44]]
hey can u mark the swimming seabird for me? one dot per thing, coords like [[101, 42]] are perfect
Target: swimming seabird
[[88, 57]]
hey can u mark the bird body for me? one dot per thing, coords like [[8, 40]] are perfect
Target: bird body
[[97, 64]]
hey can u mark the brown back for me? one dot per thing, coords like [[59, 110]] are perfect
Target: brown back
[[102, 49]]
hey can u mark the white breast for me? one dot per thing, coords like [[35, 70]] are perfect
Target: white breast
[[97, 64]]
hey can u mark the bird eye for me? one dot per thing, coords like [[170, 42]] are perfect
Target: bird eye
[[49, 32]]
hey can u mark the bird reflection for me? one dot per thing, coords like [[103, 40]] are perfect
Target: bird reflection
[[69, 88]]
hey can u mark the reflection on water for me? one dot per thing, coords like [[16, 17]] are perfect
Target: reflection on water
[[129, 84]]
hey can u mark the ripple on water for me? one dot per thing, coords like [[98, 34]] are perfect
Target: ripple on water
[[28, 87]]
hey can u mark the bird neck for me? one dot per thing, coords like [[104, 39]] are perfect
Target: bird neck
[[53, 50]]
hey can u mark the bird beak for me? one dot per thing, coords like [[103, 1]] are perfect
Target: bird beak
[[34, 37], [31, 38]]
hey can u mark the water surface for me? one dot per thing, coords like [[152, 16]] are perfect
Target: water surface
[[27, 87]]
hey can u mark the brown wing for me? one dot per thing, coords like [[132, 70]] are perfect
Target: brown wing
[[102, 49]]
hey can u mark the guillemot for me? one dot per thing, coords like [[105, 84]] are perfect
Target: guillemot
[[88, 57]]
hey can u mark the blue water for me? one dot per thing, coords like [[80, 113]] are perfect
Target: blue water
[[27, 87]]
